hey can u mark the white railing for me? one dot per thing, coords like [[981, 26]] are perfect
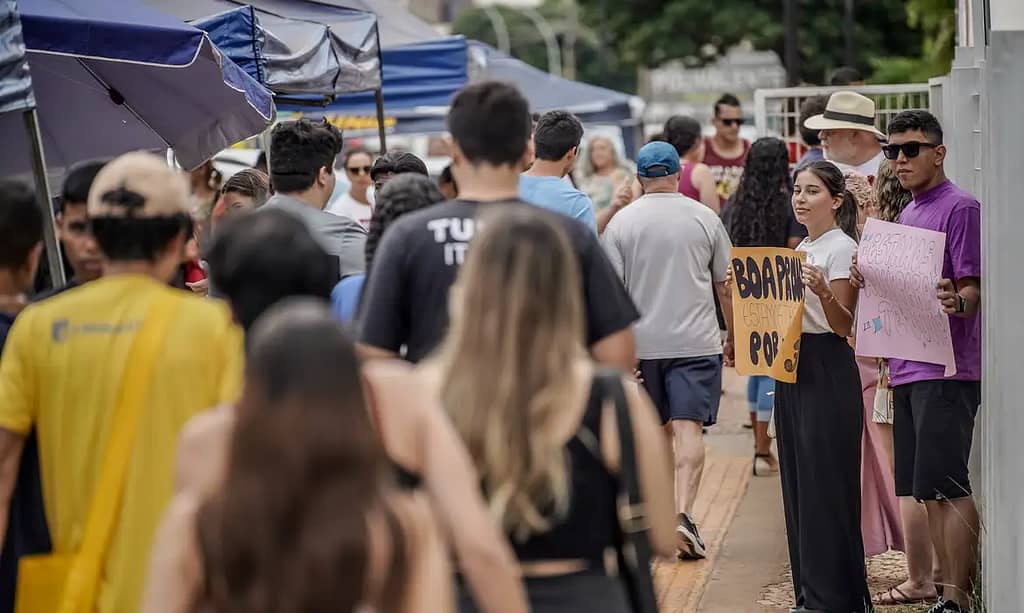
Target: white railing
[[777, 111]]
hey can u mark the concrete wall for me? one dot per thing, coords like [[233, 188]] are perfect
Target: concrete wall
[[1003, 413], [979, 103]]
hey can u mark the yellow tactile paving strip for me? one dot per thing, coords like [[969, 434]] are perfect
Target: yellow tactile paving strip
[[680, 585]]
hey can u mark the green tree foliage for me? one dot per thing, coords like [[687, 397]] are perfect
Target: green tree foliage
[[893, 40], [936, 19], [649, 32]]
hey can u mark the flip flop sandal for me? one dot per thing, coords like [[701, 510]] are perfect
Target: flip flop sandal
[[895, 596]]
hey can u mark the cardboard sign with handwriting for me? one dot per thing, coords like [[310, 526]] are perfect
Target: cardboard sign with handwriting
[[768, 310], [898, 315]]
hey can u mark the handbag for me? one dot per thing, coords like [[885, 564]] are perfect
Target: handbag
[[633, 548], [69, 582]]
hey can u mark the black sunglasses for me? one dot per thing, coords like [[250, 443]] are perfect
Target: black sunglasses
[[733, 122], [362, 170], [910, 149]]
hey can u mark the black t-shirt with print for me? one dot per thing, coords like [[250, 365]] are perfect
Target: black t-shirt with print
[[405, 301]]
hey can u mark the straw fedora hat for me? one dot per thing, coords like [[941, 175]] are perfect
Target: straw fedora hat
[[846, 111]]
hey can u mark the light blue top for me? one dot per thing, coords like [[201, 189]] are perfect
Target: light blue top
[[558, 195], [345, 297]]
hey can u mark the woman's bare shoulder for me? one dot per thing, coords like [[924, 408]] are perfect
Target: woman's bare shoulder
[[397, 383], [205, 429], [203, 448]]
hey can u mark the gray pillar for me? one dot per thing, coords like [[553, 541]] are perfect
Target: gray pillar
[[1002, 414]]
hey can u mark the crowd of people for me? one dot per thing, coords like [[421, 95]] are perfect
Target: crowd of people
[[486, 393]]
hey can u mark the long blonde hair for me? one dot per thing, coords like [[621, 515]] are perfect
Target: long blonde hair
[[892, 197], [516, 331]]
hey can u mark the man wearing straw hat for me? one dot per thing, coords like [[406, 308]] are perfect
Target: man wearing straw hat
[[848, 134]]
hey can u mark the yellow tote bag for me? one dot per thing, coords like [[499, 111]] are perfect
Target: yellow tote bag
[[69, 582]]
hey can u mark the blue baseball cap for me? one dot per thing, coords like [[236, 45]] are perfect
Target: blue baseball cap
[[657, 159]]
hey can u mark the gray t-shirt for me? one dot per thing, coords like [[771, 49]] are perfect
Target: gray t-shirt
[[338, 235], [669, 251]]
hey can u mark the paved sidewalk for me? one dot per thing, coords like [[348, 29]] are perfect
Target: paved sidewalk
[[741, 519], [727, 474]]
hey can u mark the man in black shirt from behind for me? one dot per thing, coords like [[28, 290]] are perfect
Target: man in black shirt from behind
[[405, 303]]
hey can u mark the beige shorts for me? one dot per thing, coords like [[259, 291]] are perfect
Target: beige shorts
[[883, 410]]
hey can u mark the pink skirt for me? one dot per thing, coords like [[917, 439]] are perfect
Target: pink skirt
[[880, 511]]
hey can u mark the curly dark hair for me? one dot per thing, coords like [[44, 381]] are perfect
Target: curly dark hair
[[760, 203]]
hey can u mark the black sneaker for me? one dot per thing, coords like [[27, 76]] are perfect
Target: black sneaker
[[691, 546], [946, 606]]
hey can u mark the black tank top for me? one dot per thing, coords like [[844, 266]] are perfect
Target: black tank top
[[590, 526]]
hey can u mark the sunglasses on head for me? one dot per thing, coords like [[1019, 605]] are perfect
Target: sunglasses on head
[[733, 122], [359, 170], [910, 149]]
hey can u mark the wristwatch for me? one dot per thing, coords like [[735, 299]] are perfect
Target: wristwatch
[[961, 304]]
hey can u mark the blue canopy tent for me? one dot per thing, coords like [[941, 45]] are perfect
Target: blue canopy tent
[[293, 47], [110, 76], [418, 68], [544, 91]]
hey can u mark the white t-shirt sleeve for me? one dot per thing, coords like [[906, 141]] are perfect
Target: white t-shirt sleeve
[[721, 246], [841, 258], [610, 246]]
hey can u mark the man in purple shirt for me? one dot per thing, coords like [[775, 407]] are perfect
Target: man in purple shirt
[[934, 415]]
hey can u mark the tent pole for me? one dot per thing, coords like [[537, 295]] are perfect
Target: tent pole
[[53, 254], [378, 94]]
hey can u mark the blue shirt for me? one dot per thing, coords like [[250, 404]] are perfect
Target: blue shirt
[[345, 297], [558, 195]]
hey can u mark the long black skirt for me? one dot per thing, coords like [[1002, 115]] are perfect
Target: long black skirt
[[819, 421]]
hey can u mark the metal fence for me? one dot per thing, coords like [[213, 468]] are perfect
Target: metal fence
[[777, 111]]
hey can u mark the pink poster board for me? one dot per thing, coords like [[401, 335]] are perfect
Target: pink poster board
[[898, 315]]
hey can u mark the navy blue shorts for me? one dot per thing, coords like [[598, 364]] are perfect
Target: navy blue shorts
[[684, 388]]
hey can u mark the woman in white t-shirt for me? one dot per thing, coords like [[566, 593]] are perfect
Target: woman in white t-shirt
[[355, 203], [819, 419]]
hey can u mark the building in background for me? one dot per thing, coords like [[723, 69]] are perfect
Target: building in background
[[675, 89]]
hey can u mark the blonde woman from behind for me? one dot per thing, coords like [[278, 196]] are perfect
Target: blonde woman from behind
[[520, 388]]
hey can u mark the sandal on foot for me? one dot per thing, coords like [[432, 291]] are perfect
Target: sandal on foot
[[895, 596]]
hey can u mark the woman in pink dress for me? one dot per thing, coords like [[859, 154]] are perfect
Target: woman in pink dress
[[880, 512]]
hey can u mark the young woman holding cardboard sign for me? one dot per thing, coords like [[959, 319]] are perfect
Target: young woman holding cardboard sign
[[819, 419]]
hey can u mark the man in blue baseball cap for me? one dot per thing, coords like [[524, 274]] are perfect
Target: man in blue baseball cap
[[672, 252]]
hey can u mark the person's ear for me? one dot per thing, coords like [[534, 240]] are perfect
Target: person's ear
[[324, 175], [529, 155], [58, 221], [940, 155]]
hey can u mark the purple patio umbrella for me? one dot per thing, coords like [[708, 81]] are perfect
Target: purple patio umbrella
[[111, 76]]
